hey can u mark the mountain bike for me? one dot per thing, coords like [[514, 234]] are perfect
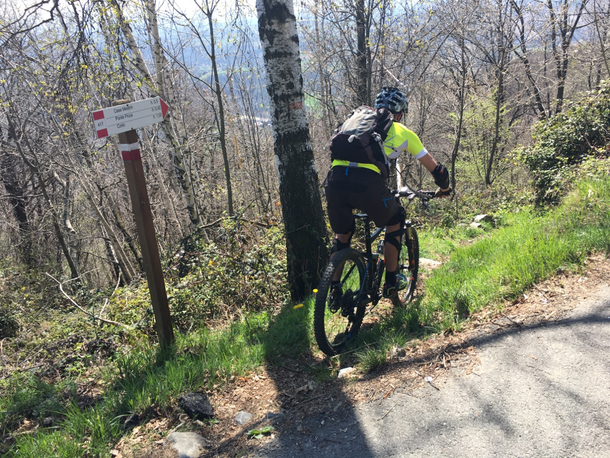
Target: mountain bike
[[340, 309]]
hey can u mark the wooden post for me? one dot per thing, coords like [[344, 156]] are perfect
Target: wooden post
[[130, 150]]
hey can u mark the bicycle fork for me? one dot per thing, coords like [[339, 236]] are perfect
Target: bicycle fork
[[378, 264]]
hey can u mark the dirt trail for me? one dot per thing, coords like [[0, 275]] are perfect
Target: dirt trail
[[533, 381]]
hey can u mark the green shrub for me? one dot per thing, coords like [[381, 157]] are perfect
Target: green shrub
[[243, 270], [8, 324], [24, 295], [566, 140]]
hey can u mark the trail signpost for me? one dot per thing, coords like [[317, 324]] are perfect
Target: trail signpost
[[127, 116], [122, 119]]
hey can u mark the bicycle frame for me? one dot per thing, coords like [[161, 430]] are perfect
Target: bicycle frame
[[352, 293], [369, 291]]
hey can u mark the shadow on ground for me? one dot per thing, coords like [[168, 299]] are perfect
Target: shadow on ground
[[541, 390], [305, 393]]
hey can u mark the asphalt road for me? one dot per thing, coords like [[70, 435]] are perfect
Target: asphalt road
[[541, 391]]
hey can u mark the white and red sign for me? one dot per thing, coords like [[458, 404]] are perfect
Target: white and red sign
[[133, 115]]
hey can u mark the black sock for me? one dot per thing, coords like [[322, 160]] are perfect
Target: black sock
[[390, 278]]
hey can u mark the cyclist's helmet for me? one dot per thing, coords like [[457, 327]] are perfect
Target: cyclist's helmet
[[393, 99]]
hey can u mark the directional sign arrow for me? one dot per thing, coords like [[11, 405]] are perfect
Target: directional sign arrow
[[123, 118]]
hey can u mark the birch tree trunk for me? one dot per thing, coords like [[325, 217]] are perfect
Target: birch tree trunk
[[179, 150], [306, 236]]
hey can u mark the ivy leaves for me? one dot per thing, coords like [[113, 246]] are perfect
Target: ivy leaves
[[564, 141]]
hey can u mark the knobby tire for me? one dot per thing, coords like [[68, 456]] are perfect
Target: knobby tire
[[408, 265], [337, 323]]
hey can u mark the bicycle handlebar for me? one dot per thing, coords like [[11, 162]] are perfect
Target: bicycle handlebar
[[411, 194]]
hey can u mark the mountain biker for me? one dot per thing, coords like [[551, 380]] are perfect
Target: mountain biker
[[352, 185]]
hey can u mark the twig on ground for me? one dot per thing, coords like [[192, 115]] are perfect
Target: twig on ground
[[428, 379], [174, 430], [311, 399], [433, 386], [386, 414], [107, 300], [513, 321], [82, 309], [542, 292]]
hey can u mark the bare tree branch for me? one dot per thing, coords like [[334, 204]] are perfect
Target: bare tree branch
[[82, 309]]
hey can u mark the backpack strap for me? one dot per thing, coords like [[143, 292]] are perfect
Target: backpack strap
[[385, 119], [383, 168]]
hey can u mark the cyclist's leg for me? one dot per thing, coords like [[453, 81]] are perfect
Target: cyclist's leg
[[340, 242], [340, 215], [390, 250], [392, 246], [343, 223], [393, 233], [392, 216], [340, 212], [382, 207]]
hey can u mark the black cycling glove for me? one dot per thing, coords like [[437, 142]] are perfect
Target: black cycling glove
[[441, 176]]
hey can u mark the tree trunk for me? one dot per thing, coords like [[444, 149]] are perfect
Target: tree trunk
[[126, 267], [15, 191], [461, 94], [35, 170], [502, 46], [220, 118], [306, 236], [560, 24], [362, 93], [523, 57]]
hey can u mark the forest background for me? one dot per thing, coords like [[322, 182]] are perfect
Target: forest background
[[478, 75]]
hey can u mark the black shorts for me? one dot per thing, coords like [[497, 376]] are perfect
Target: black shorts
[[349, 188]]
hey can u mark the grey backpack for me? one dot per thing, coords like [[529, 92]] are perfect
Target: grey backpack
[[360, 138]]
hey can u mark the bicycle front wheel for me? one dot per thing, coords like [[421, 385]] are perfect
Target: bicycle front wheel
[[408, 265], [338, 313]]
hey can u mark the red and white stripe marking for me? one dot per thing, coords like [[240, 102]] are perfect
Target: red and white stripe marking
[[97, 116], [130, 152]]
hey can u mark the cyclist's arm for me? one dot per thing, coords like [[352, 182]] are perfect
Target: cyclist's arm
[[430, 163], [401, 138]]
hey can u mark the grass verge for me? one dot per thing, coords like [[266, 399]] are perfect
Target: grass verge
[[526, 249], [146, 381]]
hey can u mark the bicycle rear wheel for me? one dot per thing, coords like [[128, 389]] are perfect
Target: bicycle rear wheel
[[337, 314], [408, 265]]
